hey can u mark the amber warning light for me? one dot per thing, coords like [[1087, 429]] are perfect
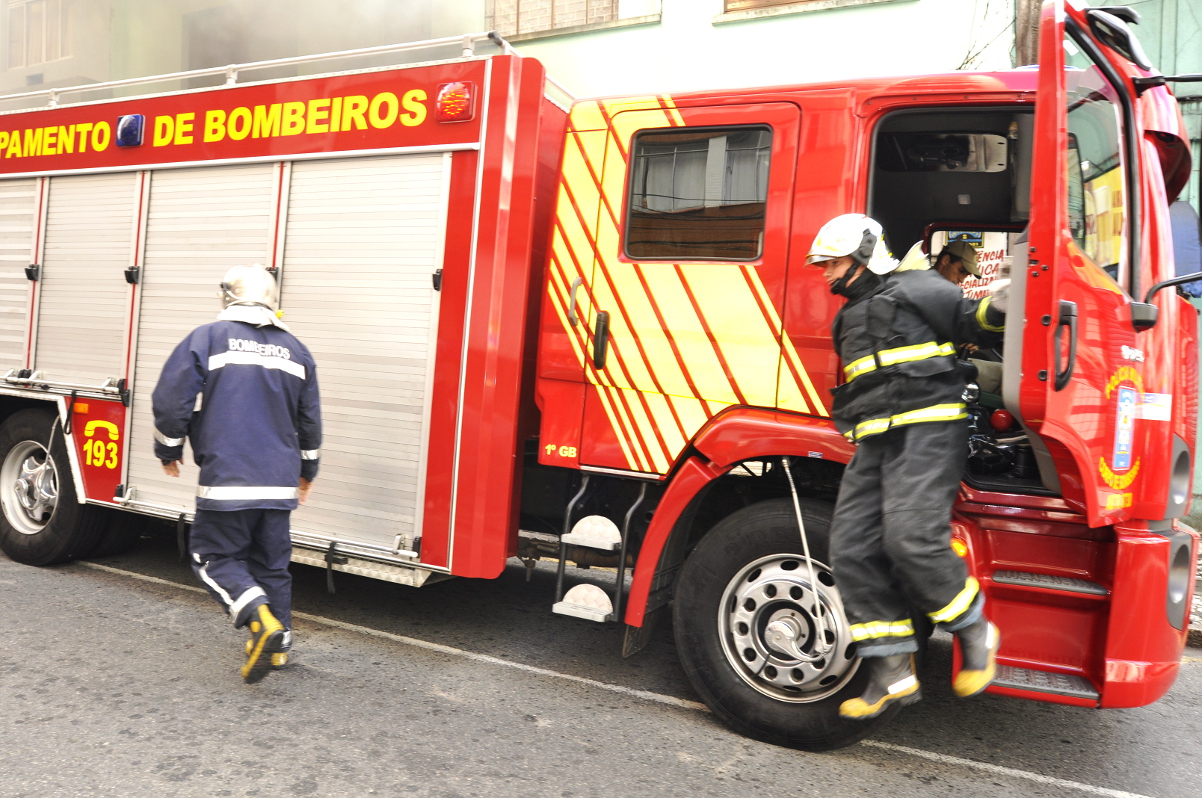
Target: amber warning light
[[456, 102]]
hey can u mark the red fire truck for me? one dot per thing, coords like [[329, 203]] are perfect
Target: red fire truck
[[586, 333]]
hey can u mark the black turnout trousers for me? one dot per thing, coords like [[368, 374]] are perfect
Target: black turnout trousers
[[891, 536]]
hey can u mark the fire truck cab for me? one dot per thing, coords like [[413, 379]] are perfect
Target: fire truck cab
[[587, 334], [684, 340]]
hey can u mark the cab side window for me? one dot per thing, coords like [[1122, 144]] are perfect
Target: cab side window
[[698, 194], [1097, 190]]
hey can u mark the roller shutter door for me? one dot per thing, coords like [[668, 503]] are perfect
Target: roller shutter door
[[17, 208], [84, 303], [201, 222], [363, 239]]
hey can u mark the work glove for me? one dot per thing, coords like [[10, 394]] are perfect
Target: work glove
[[999, 289], [999, 294]]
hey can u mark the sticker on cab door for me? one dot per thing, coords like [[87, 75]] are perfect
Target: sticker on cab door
[[1124, 429]]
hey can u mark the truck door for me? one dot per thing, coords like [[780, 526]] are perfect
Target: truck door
[[1075, 363], [684, 296]]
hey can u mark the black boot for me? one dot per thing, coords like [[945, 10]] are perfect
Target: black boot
[[979, 644], [891, 680]]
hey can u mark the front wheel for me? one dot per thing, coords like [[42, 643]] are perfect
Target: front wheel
[[771, 661], [41, 522]]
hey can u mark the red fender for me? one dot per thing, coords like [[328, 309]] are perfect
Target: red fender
[[741, 433], [745, 433]]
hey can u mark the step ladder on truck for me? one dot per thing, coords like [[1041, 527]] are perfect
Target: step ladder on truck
[[589, 319]]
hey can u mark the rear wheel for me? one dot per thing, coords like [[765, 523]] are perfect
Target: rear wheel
[[41, 522], [769, 660], [120, 532]]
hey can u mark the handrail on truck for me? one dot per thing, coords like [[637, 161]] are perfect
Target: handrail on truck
[[231, 71], [110, 386]]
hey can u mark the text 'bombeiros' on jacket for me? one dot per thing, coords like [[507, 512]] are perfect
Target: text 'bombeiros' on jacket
[[898, 345], [247, 398]]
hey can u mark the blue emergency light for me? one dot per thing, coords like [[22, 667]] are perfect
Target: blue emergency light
[[129, 130]]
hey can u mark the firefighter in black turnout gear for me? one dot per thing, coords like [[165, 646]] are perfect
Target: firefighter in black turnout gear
[[243, 389], [902, 403]]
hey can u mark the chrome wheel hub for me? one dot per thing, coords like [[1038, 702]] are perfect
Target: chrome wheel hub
[[769, 622], [28, 487]]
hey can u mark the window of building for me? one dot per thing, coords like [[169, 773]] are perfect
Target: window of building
[[746, 5], [1097, 191], [38, 31], [515, 17], [698, 195]]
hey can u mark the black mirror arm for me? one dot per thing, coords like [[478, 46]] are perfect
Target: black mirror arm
[[1143, 84], [1182, 280]]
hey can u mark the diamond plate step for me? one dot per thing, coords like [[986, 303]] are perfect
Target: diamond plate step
[[1064, 584], [1045, 682]]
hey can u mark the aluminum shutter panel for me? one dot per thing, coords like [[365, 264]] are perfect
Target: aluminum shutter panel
[[18, 201], [201, 222], [84, 303], [363, 239]]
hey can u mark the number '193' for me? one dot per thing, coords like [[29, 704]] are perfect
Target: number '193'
[[99, 453]]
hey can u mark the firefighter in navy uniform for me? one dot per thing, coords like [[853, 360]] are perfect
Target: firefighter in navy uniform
[[902, 403], [244, 390]]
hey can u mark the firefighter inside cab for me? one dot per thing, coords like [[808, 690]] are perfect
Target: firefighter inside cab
[[244, 390], [902, 403]]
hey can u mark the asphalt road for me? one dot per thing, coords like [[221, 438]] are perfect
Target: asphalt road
[[111, 685]]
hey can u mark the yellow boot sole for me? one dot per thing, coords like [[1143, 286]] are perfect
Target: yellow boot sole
[[278, 660], [267, 638], [859, 709]]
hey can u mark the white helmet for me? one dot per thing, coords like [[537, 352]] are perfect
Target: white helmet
[[249, 285], [856, 235]]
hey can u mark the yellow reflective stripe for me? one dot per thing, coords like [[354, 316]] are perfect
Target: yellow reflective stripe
[[948, 412], [872, 426], [986, 326], [959, 604], [906, 354], [858, 367], [875, 629], [891, 357]]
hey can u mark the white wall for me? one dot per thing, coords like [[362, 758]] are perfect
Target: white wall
[[687, 50]]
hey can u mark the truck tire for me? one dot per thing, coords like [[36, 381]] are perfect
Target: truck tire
[[749, 572], [41, 521], [120, 531]]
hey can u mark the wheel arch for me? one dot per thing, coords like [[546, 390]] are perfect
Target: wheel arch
[[13, 402], [703, 488]]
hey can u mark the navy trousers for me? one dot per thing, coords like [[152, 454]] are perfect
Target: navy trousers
[[242, 557]]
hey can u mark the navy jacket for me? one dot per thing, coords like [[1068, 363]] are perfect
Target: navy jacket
[[247, 398]]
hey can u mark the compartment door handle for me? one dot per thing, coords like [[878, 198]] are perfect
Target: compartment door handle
[[601, 340]]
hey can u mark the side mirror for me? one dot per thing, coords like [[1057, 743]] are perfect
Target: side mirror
[[1112, 31], [1144, 314], [1125, 13]]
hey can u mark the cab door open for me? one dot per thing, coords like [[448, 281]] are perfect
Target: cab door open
[[1075, 362]]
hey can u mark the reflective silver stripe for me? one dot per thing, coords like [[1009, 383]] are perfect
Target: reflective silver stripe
[[208, 580], [234, 493], [248, 595], [163, 439], [310, 454], [255, 359]]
